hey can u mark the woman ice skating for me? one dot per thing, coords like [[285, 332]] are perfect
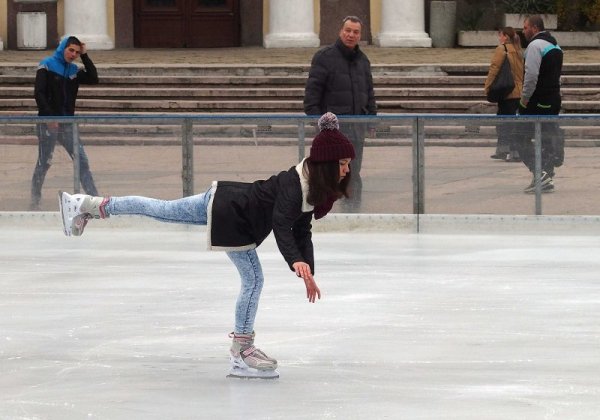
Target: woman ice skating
[[239, 216]]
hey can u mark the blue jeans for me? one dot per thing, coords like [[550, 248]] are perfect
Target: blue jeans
[[46, 142], [194, 210], [248, 265]]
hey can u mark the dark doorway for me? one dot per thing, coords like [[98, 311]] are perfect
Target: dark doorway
[[186, 23]]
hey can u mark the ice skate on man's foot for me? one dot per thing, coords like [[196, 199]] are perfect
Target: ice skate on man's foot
[[77, 209], [249, 362]]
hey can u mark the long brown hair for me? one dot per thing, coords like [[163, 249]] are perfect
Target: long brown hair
[[324, 181], [513, 37]]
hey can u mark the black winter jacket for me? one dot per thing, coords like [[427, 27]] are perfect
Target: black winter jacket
[[242, 215], [340, 81], [55, 94]]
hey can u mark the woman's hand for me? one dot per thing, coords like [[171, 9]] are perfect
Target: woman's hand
[[303, 270]]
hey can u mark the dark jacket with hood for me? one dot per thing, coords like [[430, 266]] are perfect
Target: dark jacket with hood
[[57, 82], [340, 81], [241, 215], [543, 67]]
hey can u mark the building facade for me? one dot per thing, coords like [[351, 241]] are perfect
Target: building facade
[[108, 24]]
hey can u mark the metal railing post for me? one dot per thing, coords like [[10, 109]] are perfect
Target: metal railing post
[[418, 166], [76, 161], [187, 157], [301, 140], [538, 168]]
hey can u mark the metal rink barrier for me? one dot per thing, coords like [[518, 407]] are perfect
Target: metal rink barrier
[[409, 164]]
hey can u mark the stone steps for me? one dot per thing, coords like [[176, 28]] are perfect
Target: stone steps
[[437, 106], [149, 70], [407, 102], [273, 89], [391, 99], [297, 93], [428, 79]]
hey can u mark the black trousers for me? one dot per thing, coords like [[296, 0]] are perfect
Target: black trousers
[[505, 131], [355, 132], [553, 151]]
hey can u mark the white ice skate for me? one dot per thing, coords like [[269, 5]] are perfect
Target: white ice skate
[[73, 219], [239, 369], [77, 209], [249, 362]]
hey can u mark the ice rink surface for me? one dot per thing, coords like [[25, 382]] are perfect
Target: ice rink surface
[[133, 324]]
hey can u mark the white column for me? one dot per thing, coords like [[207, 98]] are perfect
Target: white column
[[403, 24], [87, 20], [291, 24]]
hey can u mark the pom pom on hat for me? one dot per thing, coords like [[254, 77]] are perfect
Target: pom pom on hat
[[328, 121], [330, 144]]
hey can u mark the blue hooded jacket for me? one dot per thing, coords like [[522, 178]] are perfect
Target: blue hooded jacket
[[57, 63], [57, 82]]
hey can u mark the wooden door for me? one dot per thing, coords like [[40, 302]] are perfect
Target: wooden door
[[214, 23], [159, 23], [186, 23]]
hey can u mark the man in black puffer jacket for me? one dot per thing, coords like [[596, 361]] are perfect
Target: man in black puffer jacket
[[340, 81]]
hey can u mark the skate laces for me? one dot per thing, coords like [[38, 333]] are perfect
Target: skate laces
[[251, 350], [95, 207], [247, 348], [101, 207]]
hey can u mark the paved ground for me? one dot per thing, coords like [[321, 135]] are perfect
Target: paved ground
[[256, 55], [132, 322]]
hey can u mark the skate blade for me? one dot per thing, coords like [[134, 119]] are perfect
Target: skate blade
[[250, 373], [62, 214]]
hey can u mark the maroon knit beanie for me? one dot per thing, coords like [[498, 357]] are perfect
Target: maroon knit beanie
[[330, 144]]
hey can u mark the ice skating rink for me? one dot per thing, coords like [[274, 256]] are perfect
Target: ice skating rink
[[132, 323]]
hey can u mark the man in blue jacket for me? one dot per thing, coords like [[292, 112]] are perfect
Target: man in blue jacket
[[541, 96], [340, 81], [56, 84]]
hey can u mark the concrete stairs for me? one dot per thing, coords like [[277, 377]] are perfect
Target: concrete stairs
[[272, 89]]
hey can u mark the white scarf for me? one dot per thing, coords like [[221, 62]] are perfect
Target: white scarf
[[304, 185]]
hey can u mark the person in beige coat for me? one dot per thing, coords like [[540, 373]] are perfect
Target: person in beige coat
[[510, 44]]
